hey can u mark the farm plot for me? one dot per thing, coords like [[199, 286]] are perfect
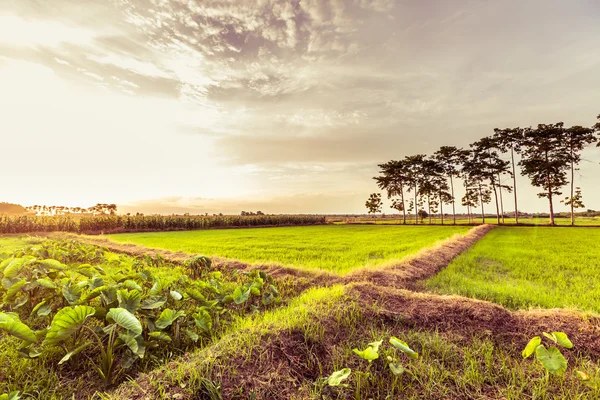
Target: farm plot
[[336, 248], [528, 267], [75, 318]]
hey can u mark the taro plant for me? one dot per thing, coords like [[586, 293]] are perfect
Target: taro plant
[[112, 320], [198, 266], [396, 367], [371, 353], [333, 381], [551, 358]]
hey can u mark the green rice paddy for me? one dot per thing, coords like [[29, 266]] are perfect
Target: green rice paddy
[[336, 248], [528, 267]]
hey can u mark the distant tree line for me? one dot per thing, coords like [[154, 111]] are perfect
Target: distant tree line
[[549, 156], [98, 209]]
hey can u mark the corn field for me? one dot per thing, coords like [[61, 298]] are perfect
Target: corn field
[[114, 223]]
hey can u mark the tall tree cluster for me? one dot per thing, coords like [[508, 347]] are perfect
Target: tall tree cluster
[[548, 155]]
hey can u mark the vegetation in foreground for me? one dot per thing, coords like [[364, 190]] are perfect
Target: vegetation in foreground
[[75, 318], [528, 267], [337, 248], [115, 223], [326, 344]]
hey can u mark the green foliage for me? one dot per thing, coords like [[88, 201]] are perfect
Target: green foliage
[[11, 324], [114, 223], [374, 203], [116, 314], [336, 378], [551, 358], [370, 353]]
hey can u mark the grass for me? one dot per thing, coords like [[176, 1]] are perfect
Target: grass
[[528, 267], [337, 248], [328, 323]]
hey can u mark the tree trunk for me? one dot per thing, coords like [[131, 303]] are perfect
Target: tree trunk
[[496, 200], [429, 208], [442, 209], [403, 205], [572, 194], [481, 200], [512, 156], [453, 209], [549, 183], [416, 207], [501, 201]]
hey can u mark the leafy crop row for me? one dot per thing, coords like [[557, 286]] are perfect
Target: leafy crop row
[[114, 223], [66, 302]]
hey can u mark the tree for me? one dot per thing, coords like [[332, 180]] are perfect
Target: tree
[[545, 161], [393, 179], [578, 137], [451, 160], [475, 175], [490, 166], [510, 140], [374, 203], [398, 205], [575, 201], [415, 175], [470, 199]]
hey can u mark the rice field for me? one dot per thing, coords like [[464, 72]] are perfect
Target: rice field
[[528, 267], [336, 248]]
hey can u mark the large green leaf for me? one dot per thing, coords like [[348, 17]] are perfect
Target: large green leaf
[[132, 285], [73, 352], [337, 377], [13, 326], [153, 302], [370, 353], [66, 322], [53, 264], [561, 338], [203, 320], [158, 335], [531, 346], [240, 296], [94, 293], [192, 335], [403, 347], [71, 292], [129, 299], [14, 267], [552, 359], [167, 317], [42, 309], [195, 294], [15, 289], [125, 319], [46, 283], [130, 341]]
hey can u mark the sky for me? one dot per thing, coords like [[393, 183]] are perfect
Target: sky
[[174, 106]]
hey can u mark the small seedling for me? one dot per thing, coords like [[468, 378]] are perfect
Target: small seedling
[[337, 377], [396, 367], [370, 353], [551, 358]]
